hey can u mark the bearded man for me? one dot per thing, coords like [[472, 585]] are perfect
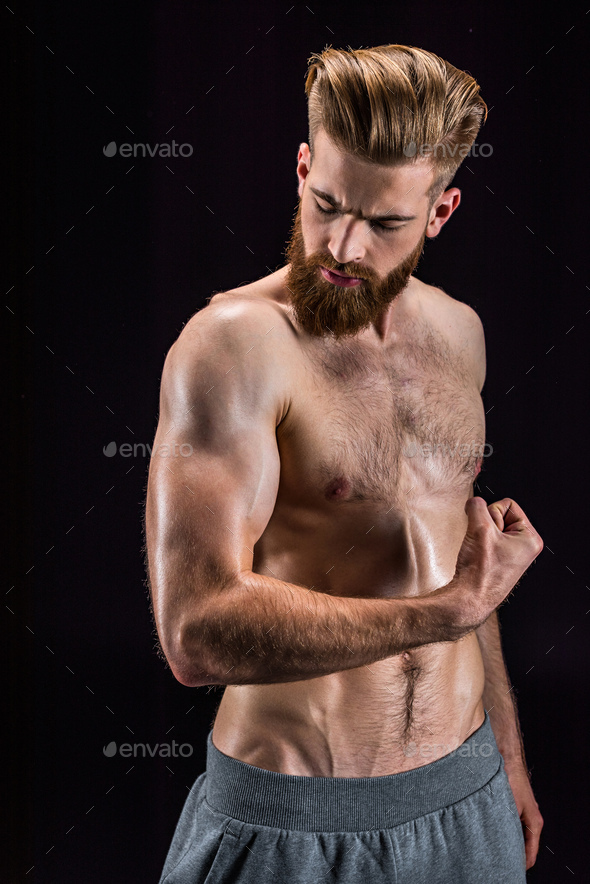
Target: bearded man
[[320, 552]]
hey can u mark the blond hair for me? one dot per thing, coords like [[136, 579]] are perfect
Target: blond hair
[[384, 103]]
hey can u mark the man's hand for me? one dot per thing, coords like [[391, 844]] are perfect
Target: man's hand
[[498, 547], [528, 809]]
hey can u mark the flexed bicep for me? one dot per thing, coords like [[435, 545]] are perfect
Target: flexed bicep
[[209, 502]]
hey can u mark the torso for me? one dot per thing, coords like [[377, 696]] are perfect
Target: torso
[[379, 451]]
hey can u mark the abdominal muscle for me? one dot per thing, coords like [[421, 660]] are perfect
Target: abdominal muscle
[[393, 715]]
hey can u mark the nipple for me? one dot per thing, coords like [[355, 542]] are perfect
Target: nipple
[[337, 489]]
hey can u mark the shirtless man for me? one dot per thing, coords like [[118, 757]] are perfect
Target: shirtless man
[[320, 550]]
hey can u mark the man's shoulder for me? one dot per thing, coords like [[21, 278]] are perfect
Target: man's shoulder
[[456, 315], [268, 290], [237, 339], [459, 323], [234, 315]]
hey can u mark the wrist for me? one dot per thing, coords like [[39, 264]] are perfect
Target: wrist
[[457, 601], [450, 611]]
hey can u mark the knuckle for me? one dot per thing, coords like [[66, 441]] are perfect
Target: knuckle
[[487, 531], [535, 540]]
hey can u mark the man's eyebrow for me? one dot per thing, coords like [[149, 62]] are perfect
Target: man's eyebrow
[[337, 205]]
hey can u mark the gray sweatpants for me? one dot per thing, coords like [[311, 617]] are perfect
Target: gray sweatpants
[[453, 821]]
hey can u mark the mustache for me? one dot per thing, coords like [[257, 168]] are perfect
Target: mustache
[[357, 270]]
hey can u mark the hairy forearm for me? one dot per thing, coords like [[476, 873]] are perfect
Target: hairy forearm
[[498, 696], [265, 631]]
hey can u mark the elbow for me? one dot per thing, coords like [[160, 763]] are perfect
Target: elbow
[[189, 662], [194, 641]]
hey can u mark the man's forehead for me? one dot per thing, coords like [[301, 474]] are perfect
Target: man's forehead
[[368, 186]]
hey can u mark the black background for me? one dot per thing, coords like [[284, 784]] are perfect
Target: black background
[[107, 258]]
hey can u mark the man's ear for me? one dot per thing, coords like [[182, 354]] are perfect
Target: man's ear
[[303, 166], [442, 210]]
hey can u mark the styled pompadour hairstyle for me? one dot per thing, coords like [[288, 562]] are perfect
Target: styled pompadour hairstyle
[[385, 103]]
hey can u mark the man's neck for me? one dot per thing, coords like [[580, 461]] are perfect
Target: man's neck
[[382, 330]]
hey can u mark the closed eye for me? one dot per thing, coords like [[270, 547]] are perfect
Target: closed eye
[[325, 211], [374, 224], [381, 226]]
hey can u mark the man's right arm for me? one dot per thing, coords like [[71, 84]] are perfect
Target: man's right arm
[[224, 390]]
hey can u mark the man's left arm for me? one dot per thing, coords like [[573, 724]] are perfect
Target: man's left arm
[[500, 702], [498, 696]]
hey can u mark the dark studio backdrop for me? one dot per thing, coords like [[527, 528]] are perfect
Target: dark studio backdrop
[[107, 258]]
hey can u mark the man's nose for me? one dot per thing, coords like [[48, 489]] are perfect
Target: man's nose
[[347, 241]]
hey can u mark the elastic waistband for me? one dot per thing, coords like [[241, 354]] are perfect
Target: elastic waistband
[[347, 804]]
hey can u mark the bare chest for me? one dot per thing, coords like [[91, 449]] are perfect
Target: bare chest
[[377, 427]]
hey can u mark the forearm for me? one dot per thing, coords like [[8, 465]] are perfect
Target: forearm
[[265, 631], [498, 696]]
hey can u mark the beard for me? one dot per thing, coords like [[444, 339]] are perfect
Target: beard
[[321, 307]]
